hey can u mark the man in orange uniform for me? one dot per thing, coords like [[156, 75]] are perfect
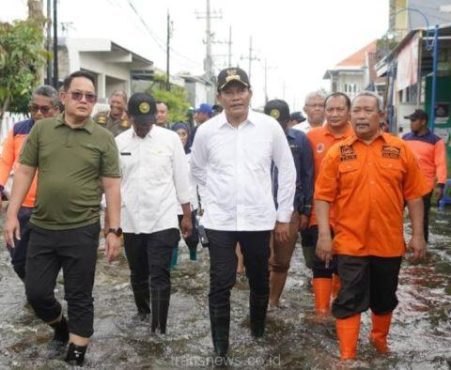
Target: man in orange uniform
[[337, 128], [44, 103], [431, 154], [367, 178]]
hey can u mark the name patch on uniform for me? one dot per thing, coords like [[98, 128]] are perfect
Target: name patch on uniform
[[126, 153], [391, 152], [347, 153]]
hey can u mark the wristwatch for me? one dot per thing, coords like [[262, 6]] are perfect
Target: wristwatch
[[117, 231]]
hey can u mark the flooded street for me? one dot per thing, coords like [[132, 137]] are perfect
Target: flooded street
[[420, 336]]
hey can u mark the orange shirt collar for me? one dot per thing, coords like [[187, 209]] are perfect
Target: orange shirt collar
[[346, 133]]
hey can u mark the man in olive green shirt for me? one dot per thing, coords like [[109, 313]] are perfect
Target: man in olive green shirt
[[76, 159], [115, 120]]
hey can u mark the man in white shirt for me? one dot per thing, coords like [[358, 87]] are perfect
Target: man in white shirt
[[314, 108], [154, 180], [231, 162]]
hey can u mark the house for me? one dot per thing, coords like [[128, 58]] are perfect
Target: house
[[200, 89], [418, 75], [113, 65], [355, 73]]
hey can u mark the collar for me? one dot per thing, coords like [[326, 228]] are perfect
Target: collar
[[381, 136], [149, 134], [88, 124], [251, 118], [428, 132], [347, 131], [291, 134]]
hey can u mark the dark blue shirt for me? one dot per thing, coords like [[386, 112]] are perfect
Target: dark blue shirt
[[303, 161]]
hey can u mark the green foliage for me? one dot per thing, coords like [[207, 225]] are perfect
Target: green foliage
[[176, 99], [21, 57]]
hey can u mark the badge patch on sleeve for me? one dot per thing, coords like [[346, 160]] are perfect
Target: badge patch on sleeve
[[391, 152], [347, 153]]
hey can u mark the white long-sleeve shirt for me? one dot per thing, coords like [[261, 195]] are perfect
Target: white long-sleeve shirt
[[154, 180], [193, 189], [232, 166]]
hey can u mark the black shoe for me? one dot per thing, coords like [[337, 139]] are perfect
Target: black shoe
[[142, 298], [258, 307], [141, 317], [60, 338], [220, 327], [75, 355], [55, 348], [61, 331], [160, 306]]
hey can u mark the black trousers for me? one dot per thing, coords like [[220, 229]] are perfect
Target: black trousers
[[75, 251], [309, 238], [149, 255], [223, 262], [366, 282], [427, 209], [193, 240], [19, 252]]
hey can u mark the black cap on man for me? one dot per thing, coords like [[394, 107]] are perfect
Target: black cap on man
[[279, 110], [229, 75], [141, 111]]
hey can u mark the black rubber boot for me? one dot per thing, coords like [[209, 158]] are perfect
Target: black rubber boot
[[142, 301], [258, 306], [220, 327], [75, 355], [60, 338], [20, 271], [160, 307]]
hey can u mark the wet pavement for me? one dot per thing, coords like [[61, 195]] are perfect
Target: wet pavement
[[420, 336]]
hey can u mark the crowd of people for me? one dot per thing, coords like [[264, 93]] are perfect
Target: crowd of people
[[237, 180]]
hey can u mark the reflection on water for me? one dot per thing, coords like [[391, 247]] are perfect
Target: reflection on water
[[420, 336]]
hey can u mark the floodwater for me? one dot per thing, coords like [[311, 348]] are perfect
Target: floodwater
[[420, 336]]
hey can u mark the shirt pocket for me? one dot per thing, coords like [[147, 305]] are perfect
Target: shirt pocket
[[392, 170], [348, 175], [258, 154], [160, 165]]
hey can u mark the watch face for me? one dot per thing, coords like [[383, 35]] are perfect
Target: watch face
[[117, 232]]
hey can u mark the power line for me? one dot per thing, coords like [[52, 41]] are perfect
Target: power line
[[157, 40]]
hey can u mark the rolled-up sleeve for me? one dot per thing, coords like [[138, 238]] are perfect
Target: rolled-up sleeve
[[286, 177], [327, 181]]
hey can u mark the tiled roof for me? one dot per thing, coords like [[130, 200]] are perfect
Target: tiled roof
[[358, 59]]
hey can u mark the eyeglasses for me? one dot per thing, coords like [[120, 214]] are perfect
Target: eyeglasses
[[78, 96], [44, 109]]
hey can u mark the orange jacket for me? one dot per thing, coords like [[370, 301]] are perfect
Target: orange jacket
[[10, 154], [367, 185], [430, 151], [321, 139]]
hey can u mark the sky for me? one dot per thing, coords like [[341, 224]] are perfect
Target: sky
[[299, 40]]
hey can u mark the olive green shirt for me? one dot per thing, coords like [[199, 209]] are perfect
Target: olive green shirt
[[70, 163], [115, 126]]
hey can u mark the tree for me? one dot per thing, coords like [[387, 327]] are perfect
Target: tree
[[21, 58], [176, 99]]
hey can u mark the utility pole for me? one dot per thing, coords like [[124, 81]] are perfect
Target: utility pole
[[230, 46], [48, 42], [168, 52], [208, 61], [35, 13], [55, 44], [266, 81], [250, 58]]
